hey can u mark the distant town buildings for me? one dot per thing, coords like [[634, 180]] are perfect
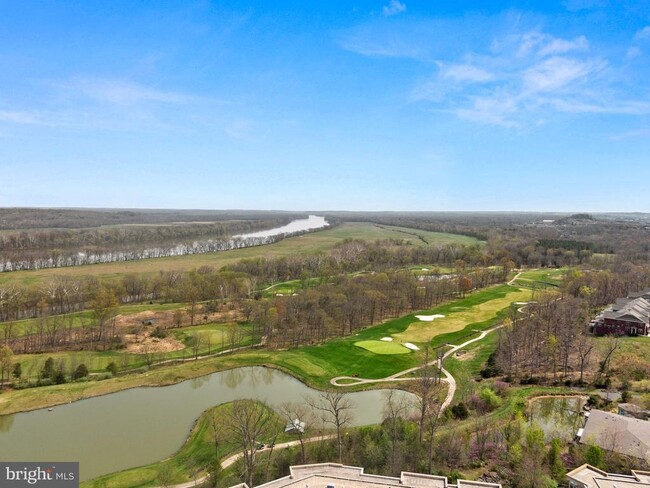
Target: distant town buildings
[[628, 316], [330, 475]]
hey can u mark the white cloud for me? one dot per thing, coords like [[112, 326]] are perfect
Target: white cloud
[[120, 92], [643, 33], [21, 118], [561, 46], [633, 52], [393, 8], [555, 73], [466, 72], [631, 135]]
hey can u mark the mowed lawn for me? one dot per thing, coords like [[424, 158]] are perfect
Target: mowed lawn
[[553, 276], [342, 357], [455, 320], [307, 244], [382, 347]]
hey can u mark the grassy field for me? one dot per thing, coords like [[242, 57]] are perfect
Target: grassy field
[[382, 347], [315, 365], [306, 244], [96, 361], [542, 276], [453, 321], [341, 357], [80, 319]]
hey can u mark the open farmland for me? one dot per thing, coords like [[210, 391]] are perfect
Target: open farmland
[[306, 244]]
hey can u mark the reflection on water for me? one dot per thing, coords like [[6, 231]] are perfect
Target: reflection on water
[[144, 425], [198, 382], [558, 417]]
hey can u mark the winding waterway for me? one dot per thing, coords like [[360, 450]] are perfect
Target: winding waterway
[[300, 225], [144, 425]]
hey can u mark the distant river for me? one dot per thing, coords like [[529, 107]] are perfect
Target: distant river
[[144, 425], [300, 225], [59, 260]]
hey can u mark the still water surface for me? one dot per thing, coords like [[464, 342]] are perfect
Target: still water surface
[[300, 225], [558, 417], [144, 425]]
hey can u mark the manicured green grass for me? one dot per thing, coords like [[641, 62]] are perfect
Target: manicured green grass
[[341, 357], [383, 347], [453, 321], [548, 276], [307, 244], [315, 365]]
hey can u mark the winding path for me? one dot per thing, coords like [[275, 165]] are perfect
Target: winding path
[[229, 461], [352, 381]]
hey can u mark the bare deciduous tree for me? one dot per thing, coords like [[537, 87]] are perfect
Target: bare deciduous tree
[[336, 409], [249, 423]]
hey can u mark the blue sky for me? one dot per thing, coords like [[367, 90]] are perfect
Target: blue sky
[[357, 105]]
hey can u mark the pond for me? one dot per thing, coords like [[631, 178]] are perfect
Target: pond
[[558, 417], [144, 425], [300, 225]]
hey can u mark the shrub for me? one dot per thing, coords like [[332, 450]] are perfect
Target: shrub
[[112, 368], [80, 372], [460, 411], [159, 333], [489, 398]]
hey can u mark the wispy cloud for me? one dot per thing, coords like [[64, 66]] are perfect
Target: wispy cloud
[[524, 80], [21, 118], [466, 72], [393, 8], [643, 33], [631, 135], [120, 92]]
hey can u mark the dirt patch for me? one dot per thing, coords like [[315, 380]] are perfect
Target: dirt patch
[[165, 318], [152, 344], [464, 355]]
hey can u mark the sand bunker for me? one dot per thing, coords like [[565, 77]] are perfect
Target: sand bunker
[[386, 339], [429, 318], [410, 346]]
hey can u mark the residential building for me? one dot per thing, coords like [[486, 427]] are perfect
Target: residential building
[[587, 476], [628, 316], [632, 410], [330, 475], [617, 433]]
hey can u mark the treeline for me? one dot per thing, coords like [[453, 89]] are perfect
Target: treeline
[[59, 248], [349, 303], [68, 218], [127, 236], [56, 259], [357, 255], [550, 337], [69, 294]]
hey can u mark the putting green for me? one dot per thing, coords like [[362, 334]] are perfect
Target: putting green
[[382, 347]]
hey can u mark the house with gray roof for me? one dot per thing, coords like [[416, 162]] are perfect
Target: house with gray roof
[[612, 432], [629, 316]]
